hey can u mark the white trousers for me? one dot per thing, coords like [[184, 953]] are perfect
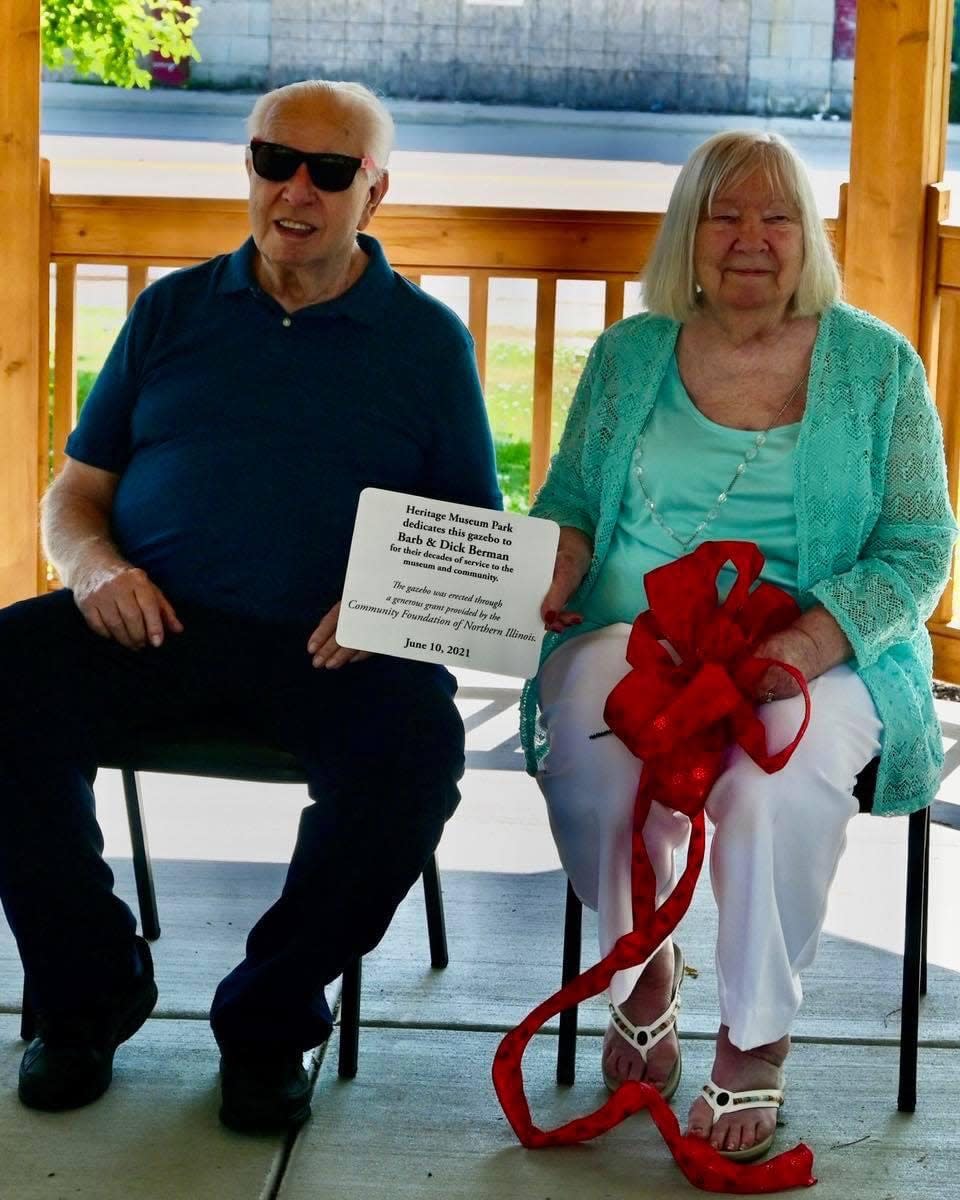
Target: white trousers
[[777, 838]]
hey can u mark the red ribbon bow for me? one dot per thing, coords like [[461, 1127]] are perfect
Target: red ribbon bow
[[680, 713]]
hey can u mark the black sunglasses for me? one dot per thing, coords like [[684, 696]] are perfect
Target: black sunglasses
[[328, 172]]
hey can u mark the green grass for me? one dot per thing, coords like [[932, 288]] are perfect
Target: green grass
[[509, 394], [509, 389], [97, 329]]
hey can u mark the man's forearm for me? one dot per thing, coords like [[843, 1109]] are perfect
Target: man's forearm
[[77, 537]]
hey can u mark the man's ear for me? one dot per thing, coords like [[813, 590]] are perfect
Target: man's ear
[[377, 192]]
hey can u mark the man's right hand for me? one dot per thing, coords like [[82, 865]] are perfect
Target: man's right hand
[[117, 599], [122, 602]]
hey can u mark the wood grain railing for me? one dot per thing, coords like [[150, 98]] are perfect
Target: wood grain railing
[[544, 245], [940, 348], [481, 244]]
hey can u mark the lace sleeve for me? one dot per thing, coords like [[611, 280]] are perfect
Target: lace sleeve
[[903, 567]]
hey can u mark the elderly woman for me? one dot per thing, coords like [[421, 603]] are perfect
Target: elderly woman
[[748, 403]]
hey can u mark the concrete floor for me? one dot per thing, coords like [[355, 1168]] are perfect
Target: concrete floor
[[421, 1119]]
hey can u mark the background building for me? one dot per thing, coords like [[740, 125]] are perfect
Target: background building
[[757, 56]]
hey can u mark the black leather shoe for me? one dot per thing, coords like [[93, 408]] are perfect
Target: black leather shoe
[[70, 1061], [263, 1091]]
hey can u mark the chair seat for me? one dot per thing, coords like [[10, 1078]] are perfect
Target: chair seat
[[214, 754], [866, 785]]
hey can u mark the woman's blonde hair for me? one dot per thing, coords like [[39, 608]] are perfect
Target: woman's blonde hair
[[354, 95], [669, 283]]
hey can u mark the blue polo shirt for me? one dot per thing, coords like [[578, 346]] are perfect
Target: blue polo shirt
[[244, 435]]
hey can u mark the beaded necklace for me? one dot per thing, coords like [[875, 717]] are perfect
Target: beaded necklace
[[752, 451]]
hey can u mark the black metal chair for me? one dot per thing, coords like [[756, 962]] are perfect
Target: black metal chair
[[223, 754], [914, 951]]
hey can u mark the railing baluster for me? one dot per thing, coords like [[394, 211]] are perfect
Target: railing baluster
[[136, 282], [64, 360], [613, 302], [948, 383], [840, 228], [543, 352], [479, 296], [43, 357], [936, 210]]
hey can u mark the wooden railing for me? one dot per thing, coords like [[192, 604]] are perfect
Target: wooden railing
[[481, 244], [940, 348]]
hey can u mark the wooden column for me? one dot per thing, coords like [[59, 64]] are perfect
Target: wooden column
[[898, 138], [20, 309]]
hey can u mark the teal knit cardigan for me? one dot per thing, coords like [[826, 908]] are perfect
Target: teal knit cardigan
[[874, 526]]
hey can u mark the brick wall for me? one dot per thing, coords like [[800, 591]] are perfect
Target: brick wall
[[581, 53], [233, 38], [791, 59], [761, 56]]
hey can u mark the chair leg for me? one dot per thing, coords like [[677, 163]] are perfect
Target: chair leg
[[142, 867], [926, 906], [28, 1022], [572, 936], [349, 1020], [917, 857], [436, 923]]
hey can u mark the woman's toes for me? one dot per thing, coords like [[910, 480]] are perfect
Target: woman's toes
[[748, 1136], [698, 1120], [730, 1134], [720, 1136], [631, 1068]]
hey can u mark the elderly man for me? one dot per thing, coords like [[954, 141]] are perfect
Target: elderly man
[[201, 527]]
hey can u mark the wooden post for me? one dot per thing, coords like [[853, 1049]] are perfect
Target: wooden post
[[898, 139], [20, 310]]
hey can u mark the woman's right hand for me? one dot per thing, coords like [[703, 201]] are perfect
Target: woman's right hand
[[574, 555]]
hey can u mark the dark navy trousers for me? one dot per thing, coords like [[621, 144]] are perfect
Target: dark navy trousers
[[380, 741]]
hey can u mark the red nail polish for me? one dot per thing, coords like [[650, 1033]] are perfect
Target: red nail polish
[[550, 616]]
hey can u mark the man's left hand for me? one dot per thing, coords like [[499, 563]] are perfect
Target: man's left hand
[[326, 650]]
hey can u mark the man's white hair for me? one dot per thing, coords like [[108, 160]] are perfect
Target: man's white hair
[[353, 95]]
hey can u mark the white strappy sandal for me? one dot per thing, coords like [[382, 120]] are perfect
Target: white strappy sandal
[[722, 1102], [643, 1038]]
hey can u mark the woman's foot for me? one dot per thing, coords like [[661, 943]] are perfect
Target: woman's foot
[[740, 1071], [649, 999]]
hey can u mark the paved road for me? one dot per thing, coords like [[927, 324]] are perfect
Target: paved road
[[100, 140], [188, 143]]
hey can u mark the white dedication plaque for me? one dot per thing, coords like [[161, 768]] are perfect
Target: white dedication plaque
[[447, 583]]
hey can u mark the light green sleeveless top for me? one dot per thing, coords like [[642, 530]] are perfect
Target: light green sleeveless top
[[687, 460]]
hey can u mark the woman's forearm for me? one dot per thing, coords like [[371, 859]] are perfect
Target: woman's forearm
[[812, 644], [574, 555], [828, 643]]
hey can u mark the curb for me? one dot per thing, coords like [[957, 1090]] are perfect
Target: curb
[[100, 98]]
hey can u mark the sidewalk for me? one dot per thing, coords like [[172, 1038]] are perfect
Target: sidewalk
[[420, 1120], [74, 97], [91, 109]]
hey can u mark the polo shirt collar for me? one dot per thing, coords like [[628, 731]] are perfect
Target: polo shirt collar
[[363, 302]]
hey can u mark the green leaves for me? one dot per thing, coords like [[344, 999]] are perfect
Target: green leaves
[[108, 38]]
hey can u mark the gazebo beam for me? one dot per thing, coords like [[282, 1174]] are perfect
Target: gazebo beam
[[20, 311], [898, 141]]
